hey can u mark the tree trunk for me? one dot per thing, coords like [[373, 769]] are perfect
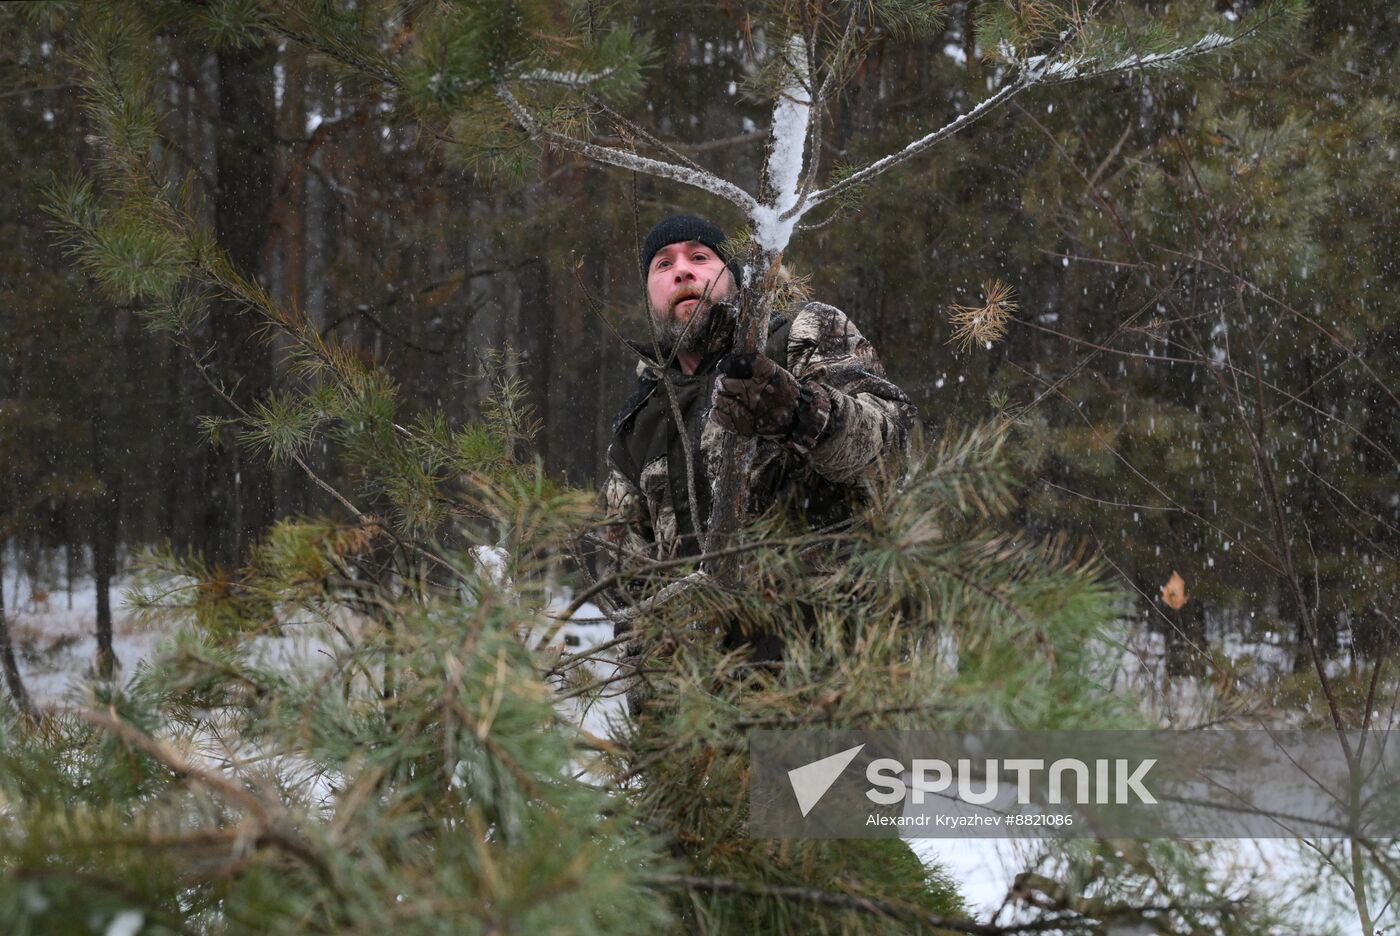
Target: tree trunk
[[107, 504], [13, 681], [731, 488], [291, 205], [73, 554], [104, 565], [535, 336], [286, 249], [1186, 640], [969, 37], [237, 487]]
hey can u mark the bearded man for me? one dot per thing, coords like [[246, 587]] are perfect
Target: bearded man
[[829, 425]]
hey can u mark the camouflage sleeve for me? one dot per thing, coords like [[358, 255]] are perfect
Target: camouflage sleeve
[[626, 533], [867, 418], [625, 524]]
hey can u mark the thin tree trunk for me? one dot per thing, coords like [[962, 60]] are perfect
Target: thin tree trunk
[[72, 551], [285, 250], [238, 487], [13, 681], [535, 336], [291, 207], [107, 504], [104, 563], [731, 489], [969, 37], [1186, 640]]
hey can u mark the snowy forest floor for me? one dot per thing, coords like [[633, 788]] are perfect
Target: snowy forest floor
[[53, 634]]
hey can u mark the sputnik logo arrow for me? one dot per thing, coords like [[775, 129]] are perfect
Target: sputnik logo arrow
[[811, 781]]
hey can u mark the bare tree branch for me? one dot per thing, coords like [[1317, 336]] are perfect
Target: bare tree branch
[[706, 181], [923, 143]]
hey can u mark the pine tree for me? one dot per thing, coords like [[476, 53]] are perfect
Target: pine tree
[[422, 779]]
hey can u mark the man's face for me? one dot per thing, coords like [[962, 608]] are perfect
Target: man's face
[[677, 282]]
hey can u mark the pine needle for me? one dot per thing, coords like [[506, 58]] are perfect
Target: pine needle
[[973, 325]]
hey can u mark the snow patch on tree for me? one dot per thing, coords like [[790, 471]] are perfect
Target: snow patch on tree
[[1207, 43], [773, 224], [571, 79]]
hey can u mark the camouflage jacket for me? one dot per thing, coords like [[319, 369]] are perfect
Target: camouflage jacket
[[821, 475]]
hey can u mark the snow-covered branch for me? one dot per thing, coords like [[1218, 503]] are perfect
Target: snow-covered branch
[[874, 169], [1037, 70], [706, 181], [1080, 68], [792, 112], [567, 78]]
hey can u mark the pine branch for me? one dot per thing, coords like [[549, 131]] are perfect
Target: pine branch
[[706, 181], [1052, 68], [267, 829], [680, 586], [568, 79], [203, 368], [878, 908], [924, 143], [640, 132]]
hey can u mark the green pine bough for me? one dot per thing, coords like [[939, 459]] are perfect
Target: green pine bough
[[415, 774]]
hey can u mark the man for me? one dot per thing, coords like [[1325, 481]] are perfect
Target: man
[[829, 424]]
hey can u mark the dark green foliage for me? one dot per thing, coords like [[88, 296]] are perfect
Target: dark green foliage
[[1015, 30], [228, 23], [440, 811], [415, 775]]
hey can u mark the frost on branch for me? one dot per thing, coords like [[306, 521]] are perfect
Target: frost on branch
[[571, 79], [1049, 69], [1207, 43]]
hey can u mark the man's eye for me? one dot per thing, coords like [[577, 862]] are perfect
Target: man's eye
[[701, 258]]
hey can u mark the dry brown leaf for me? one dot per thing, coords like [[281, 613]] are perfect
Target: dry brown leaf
[[1174, 592]]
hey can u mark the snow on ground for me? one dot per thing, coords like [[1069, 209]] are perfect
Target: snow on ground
[[55, 644], [55, 647], [986, 868], [589, 628]]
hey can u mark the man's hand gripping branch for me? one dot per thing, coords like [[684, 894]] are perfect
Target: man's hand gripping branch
[[755, 396]]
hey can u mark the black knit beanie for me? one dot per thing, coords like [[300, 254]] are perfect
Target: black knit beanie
[[680, 228]]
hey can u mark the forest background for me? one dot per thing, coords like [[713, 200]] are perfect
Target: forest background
[[1131, 217], [1196, 387]]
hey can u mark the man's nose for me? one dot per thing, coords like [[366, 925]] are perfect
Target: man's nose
[[683, 272]]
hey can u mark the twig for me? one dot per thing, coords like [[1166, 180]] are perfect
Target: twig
[[614, 578], [880, 166], [706, 181], [267, 830], [879, 908]]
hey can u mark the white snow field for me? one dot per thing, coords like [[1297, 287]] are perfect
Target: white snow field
[[55, 647]]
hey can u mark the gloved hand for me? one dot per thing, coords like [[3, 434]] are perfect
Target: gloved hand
[[754, 396]]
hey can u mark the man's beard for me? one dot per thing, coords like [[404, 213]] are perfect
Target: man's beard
[[685, 336], [677, 337]]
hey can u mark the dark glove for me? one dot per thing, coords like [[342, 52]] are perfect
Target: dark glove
[[754, 396]]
